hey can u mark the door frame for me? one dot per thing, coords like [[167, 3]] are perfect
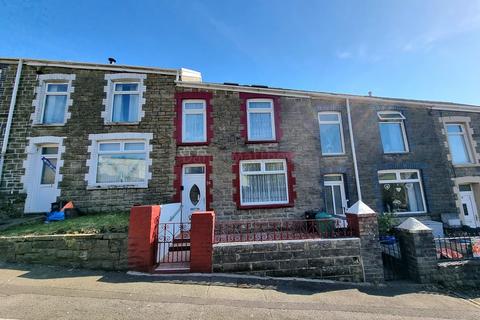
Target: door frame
[[30, 177], [180, 161], [340, 183], [204, 175], [475, 216]]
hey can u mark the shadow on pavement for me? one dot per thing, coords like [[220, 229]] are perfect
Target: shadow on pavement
[[294, 286]]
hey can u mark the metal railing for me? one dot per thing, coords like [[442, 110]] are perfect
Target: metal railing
[[246, 231], [455, 248], [173, 242]]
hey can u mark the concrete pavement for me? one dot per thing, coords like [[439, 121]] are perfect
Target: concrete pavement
[[40, 292]]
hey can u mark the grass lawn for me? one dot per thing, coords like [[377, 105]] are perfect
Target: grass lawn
[[93, 223]]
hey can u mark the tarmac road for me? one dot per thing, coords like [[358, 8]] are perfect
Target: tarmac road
[[40, 292]]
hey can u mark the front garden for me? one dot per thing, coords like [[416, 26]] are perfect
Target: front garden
[[86, 224]]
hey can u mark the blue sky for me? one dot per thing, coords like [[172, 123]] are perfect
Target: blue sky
[[426, 49]]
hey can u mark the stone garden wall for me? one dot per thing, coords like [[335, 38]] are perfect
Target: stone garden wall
[[90, 251], [335, 259], [458, 274]]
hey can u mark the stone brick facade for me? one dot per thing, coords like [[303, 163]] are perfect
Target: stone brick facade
[[300, 137], [90, 251], [335, 259]]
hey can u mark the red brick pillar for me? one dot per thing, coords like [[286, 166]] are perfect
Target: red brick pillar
[[201, 241], [143, 238]]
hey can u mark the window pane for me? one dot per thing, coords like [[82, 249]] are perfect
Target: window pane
[[263, 188], [194, 128], [126, 86], [121, 168], [60, 87], [458, 148], [331, 139], [194, 106], [454, 128], [194, 170], [48, 171], [134, 146], [465, 187], [125, 108], [274, 166], [387, 176], [332, 178], [408, 175], [54, 109], [329, 117], [329, 200], [392, 137], [259, 105], [338, 200], [260, 126], [251, 166], [110, 146], [402, 197], [49, 150]]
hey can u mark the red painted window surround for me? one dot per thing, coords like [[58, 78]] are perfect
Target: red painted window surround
[[177, 183], [276, 113], [180, 96], [287, 156]]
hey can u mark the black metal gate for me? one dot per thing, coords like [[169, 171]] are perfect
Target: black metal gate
[[174, 243], [394, 267]]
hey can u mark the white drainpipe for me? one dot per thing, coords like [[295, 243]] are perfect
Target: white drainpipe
[[354, 153], [10, 116]]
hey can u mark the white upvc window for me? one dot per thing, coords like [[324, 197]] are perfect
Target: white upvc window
[[52, 100], [54, 103], [459, 143], [260, 120], [402, 191], [194, 121], [119, 160], [125, 103], [124, 92], [335, 199], [263, 182], [331, 133], [392, 132]]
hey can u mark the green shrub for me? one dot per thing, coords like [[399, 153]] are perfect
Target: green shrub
[[386, 222]]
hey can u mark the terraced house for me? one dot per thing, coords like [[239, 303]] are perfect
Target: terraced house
[[109, 136]]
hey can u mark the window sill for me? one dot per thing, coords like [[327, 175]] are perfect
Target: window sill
[[334, 155], [408, 214], [265, 206], [260, 141], [48, 125], [117, 186], [122, 123], [470, 165], [395, 153], [189, 144]]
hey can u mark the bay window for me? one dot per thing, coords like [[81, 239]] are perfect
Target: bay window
[[194, 121], [458, 143], [331, 133], [263, 182], [260, 120], [402, 191], [392, 132]]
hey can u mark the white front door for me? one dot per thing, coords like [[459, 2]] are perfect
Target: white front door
[[193, 192], [470, 214], [43, 185], [335, 201]]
